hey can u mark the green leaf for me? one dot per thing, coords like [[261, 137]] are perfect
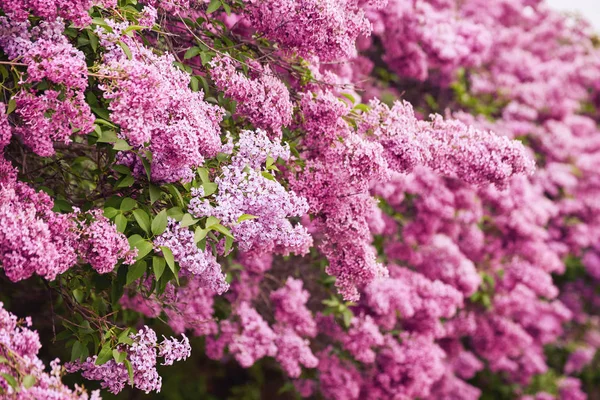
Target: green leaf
[[200, 234], [110, 212], [347, 315], [124, 337], [175, 212], [122, 145], [191, 52], [129, 371], [29, 381], [176, 195], [126, 50], [119, 356], [121, 222], [245, 217], [210, 221], [144, 248], [100, 21], [227, 8], [77, 351], [223, 230], [128, 204], [188, 220], [206, 58], [105, 354], [168, 254], [126, 181], [93, 40], [362, 107], [213, 6], [228, 244], [79, 295], [194, 83], [132, 28], [159, 223], [203, 172], [12, 105], [142, 218], [10, 380], [108, 136], [268, 176], [349, 97], [209, 188], [270, 161], [134, 240], [158, 265], [155, 193], [135, 272], [4, 360]]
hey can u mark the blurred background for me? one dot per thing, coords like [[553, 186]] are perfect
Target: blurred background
[[590, 9]]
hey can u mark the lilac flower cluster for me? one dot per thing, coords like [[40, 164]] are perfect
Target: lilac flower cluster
[[306, 26], [19, 346], [244, 189], [56, 113], [261, 97], [152, 103], [36, 240], [142, 355], [193, 260]]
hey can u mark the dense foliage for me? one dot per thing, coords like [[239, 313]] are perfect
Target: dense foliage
[[335, 199]]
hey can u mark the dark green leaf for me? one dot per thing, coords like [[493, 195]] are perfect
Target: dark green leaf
[[121, 222], [158, 265], [159, 223], [191, 52], [128, 204], [155, 193], [213, 6], [110, 212], [135, 272], [129, 371], [105, 354], [142, 218], [126, 181]]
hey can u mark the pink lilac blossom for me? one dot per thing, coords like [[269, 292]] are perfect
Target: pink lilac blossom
[[289, 303], [47, 118], [151, 101], [58, 112], [579, 359], [293, 352], [255, 340], [409, 368], [339, 380], [428, 40], [261, 97], [19, 345], [34, 239], [192, 260], [448, 146], [570, 389], [142, 355], [306, 26], [75, 11], [101, 245], [244, 189], [361, 338]]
